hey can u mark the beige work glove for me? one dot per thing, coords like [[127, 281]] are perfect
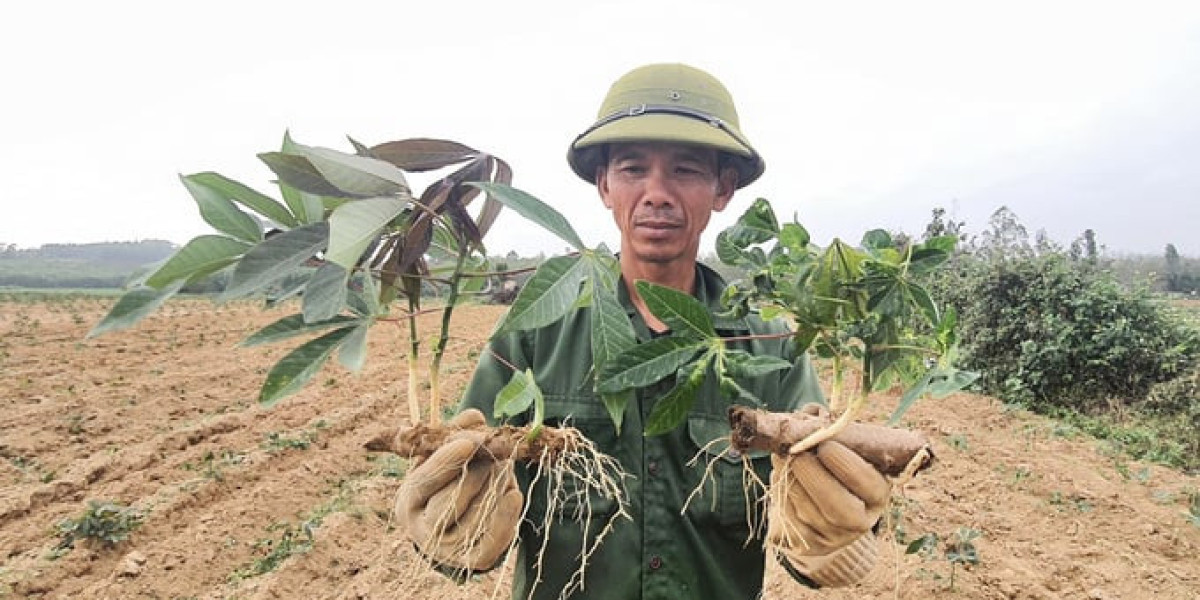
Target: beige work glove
[[461, 511], [823, 505]]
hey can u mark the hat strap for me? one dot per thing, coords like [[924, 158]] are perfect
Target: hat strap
[[667, 109]]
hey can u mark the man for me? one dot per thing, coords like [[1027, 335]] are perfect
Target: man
[[665, 153]]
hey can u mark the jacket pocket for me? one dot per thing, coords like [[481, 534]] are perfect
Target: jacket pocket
[[731, 493]]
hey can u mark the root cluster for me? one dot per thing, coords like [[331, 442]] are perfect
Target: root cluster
[[571, 470]]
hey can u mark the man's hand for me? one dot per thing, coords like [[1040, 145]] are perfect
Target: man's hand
[[824, 503], [461, 511]]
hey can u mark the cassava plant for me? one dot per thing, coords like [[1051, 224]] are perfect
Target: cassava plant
[[349, 236], [860, 308], [354, 240]]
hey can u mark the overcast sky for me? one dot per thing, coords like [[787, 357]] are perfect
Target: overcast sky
[[1076, 115]]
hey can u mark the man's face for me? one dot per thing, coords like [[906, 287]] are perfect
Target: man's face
[[662, 195]]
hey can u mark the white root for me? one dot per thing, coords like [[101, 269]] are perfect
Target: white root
[[593, 472]]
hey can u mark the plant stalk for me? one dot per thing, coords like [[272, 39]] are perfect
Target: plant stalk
[[439, 349], [414, 404]]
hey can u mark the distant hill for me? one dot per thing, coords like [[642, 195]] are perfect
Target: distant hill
[[98, 265]]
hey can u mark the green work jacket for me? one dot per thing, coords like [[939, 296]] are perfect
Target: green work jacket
[[665, 551]]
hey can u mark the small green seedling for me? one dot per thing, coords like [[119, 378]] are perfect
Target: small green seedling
[[103, 523], [959, 549]]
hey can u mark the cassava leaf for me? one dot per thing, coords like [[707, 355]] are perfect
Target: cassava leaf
[[672, 409], [297, 172], [547, 296], [739, 363], [352, 353], [202, 256], [612, 334], [325, 293], [246, 196], [298, 366], [220, 212], [535, 210], [291, 326], [684, 314], [646, 363], [491, 206], [423, 154], [133, 306], [307, 207], [354, 225], [356, 175], [276, 258], [517, 396]]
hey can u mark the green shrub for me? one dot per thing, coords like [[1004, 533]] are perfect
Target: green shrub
[[1174, 409], [1050, 331]]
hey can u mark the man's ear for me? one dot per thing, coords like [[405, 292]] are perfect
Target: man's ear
[[726, 186], [602, 185]]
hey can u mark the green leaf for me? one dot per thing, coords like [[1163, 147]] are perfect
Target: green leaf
[[911, 395], [672, 409], [925, 302], [795, 238], [755, 226], [951, 381], [612, 331], [364, 297], [770, 313], [944, 243], [684, 314], [298, 366], [308, 208], [353, 351], [740, 363], [547, 296], [612, 334], [938, 383], [296, 171], [517, 396], [133, 306], [292, 326], [248, 197], [354, 225], [276, 258], [877, 239], [887, 297], [218, 211], [946, 335], [325, 293], [925, 543], [358, 175], [535, 210], [203, 255], [646, 363]]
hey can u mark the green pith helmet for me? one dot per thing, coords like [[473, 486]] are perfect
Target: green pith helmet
[[666, 103]]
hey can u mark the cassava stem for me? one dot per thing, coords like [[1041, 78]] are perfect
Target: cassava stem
[[414, 402], [888, 449]]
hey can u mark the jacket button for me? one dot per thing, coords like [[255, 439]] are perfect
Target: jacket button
[[655, 562]]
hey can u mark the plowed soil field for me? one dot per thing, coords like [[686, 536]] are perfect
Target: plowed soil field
[[244, 501]]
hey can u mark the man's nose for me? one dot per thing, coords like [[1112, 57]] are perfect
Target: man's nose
[[657, 192]]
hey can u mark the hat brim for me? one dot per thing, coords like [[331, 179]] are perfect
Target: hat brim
[[662, 128]]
